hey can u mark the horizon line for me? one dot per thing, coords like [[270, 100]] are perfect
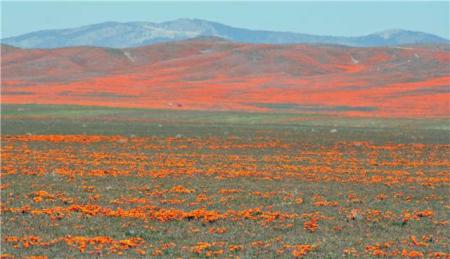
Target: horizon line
[[211, 21]]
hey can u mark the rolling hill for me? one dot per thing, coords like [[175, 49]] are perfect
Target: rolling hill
[[214, 74]]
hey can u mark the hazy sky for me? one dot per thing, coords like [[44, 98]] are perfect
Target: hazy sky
[[325, 18]]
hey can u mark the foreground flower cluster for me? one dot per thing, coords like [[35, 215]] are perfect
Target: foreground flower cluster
[[69, 195]]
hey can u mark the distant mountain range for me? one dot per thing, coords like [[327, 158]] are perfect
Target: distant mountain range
[[134, 34]]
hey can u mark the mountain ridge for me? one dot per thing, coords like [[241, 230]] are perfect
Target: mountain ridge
[[135, 34]]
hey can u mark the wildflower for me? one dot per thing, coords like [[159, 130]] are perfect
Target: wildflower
[[311, 225], [301, 250], [180, 189], [234, 248]]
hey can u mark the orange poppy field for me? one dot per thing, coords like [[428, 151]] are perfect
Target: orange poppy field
[[93, 181]]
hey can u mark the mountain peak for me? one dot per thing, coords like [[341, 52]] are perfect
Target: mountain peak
[[133, 34], [387, 34], [403, 37]]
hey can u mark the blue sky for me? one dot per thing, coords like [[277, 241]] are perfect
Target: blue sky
[[324, 18]]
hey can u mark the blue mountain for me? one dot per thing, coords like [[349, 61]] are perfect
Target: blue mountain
[[133, 34]]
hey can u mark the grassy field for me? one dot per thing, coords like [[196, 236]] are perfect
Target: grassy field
[[92, 181]]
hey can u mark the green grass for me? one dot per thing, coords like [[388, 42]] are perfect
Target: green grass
[[306, 159], [61, 119]]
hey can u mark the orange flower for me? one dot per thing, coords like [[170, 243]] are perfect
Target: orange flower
[[412, 254], [200, 247], [301, 250], [235, 248], [228, 191], [299, 201], [416, 242], [140, 251], [217, 230], [169, 245], [424, 213], [350, 251], [311, 225], [375, 250], [324, 203], [439, 254], [406, 217], [354, 214], [180, 189], [157, 252], [41, 195]]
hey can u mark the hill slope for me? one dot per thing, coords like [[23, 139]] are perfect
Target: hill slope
[[213, 74], [133, 34]]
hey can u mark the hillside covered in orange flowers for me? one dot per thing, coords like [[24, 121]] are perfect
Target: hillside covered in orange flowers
[[215, 75]]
